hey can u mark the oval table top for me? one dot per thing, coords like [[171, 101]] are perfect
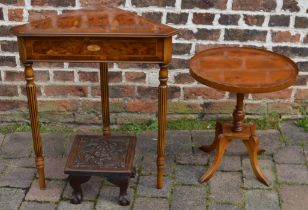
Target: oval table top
[[243, 70]]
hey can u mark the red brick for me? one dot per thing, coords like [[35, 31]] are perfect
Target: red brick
[[115, 91], [47, 65], [177, 18], [301, 22], [291, 5], [114, 106], [137, 65], [24, 90], [113, 3], [141, 106], [5, 31], [1, 13], [135, 77], [114, 76], [152, 92], [255, 108], [301, 94], [54, 3], [254, 5], [303, 66], [14, 76], [8, 90], [178, 63], [15, 14], [66, 90], [203, 18], [181, 49], [58, 105], [183, 78], [9, 46], [154, 16], [13, 2], [285, 36], [85, 76], [7, 61], [207, 34], [147, 3], [283, 107], [6, 105], [279, 20], [227, 19], [86, 65], [63, 76], [41, 14], [306, 39], [254, 20], [201, 47], [41, 76], [282, 94], [202, 92], [217, 4], [291, 51], [245, 35], [219, 107], [302, 80], [185, 34]]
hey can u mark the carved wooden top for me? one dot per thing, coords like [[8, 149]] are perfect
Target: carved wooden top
[[103, 22], [100, 154], [243, 70]]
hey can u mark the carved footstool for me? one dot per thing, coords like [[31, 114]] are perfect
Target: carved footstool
[[111, 157]]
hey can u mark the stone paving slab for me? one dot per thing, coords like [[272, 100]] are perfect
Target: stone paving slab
[[233, 186], [294, 197], [187, 197], [26, 205], [10, 198]]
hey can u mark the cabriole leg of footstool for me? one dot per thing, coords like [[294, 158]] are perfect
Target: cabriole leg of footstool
[[121, 181], [75, 182]]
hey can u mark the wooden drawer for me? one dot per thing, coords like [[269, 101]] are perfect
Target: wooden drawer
[[94, 49]]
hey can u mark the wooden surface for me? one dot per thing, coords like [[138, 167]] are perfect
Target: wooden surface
[[243, 70], [103, 35], [240, 70]]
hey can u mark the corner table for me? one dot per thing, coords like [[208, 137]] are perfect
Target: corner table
[[241, 71], [96, 35]]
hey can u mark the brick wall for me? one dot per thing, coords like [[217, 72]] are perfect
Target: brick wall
[[69, 92]]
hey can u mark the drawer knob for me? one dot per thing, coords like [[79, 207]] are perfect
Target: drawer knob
[[93, 48]]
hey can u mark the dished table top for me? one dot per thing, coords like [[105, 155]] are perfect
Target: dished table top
[[243, 70]]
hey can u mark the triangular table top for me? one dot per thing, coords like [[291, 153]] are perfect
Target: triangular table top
[[103, 22]]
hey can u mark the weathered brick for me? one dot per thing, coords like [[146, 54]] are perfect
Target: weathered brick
[[279, 20], [291, 51], [181, 107], [283, 107], [67, 90], [185, 34], [207, 34], [203, 18], [301, 22], [262, 199], [85, 76], [15, 14], [5, 31], [188, 197], [217, 4], [254, 5], [285, 36], [41, 14], [306, 39], [303, 66], [58, 105], [14, 76], [54, 3], [141, 106], [218, 107], [147, 3], [155, 16], [178, 63], [290, 5], [1, 13], [254, 20], [9, 46], [294, 196], [292, 173], [7, 61], [35, 205], [301, 94], [11, 198], [188, 174], [282, 94], [6, 105], [226, 19], [8, 90], [181, 49], [177, 18], [183, 78], [112, 3], [13, 2], [63, 76], [151, 203], [290, 155], [152, 92], [135, 77], [245, 35], [146, 187], [203, 93], [114, 76], [201, 47], [301, 80]]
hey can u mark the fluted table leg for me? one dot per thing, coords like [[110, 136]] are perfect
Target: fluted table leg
[[162, 112], [105, 98], [37, 143]]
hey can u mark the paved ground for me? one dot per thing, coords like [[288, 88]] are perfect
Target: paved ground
[[233, 186]]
